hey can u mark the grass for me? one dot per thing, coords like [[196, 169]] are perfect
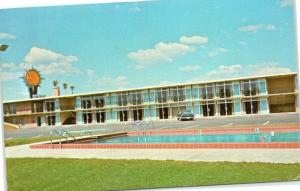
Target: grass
[[96, 174], [22, 141]]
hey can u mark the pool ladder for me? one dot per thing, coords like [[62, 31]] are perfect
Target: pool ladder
[[144, 124], [62, 134]]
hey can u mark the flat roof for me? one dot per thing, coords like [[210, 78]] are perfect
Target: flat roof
[[152, 87]]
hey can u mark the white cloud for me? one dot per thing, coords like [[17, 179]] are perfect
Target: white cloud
[[225, 71], [256, 28], [6, 36], [50, 62], [216, 52], [189, 68], [112, 82], [234, 71], [267, 68], [9, 66], [222, 72], [287, 3], [162, 52], [166, 52], [10, 75], [193, 39]]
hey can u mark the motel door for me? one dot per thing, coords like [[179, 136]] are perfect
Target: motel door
[[39, 121]]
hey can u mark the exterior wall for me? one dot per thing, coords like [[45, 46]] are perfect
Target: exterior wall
[[238, 97], [281, 84]]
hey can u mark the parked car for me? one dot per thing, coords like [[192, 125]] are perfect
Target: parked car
[[185, 115]]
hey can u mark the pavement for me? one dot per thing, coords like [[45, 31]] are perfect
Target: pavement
[[208, 155], [209, 122]]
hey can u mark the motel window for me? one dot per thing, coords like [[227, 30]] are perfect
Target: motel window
[[196, 92], [50, 106], [208, 108], [246, 88], [262, 87], [254, 87], [161, 95], [174, 94], [181, 94], [139, 98], [223, 90], [203, 91], [12, 109], [220, 88], [226, 107], [37, 107], [236, 88], [132, 98], [99, 102], [6, 109], [119, 100], [113, 100], [135, 98], [107, 100], [100, 117], [122, 99], [228, 90], [250, 87], [86, 103], [210, 92], [145, 97], [158, 96], [251, 106], [188, 93], [51, 120], [87, 118]]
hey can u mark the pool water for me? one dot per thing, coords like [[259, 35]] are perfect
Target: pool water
[[217, 138]]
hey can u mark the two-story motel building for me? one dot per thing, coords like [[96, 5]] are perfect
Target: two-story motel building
[[233, 97]]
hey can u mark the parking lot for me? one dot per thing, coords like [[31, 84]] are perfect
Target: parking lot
[[221, 122]]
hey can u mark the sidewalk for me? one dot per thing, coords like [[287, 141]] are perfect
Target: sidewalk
[[209, 155]]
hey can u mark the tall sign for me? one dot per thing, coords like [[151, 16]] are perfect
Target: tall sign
[[32, 79]]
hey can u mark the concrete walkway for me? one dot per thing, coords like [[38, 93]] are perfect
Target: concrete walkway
[[210, 155]]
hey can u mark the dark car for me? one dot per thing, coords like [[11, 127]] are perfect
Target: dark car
[[185, 115]]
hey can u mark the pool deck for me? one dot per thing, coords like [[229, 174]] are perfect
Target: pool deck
[[209, 155]]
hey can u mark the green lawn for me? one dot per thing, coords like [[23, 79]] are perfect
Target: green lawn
[[95, 174], [22, 141]]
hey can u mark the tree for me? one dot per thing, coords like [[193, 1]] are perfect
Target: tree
[[55, 82], [65, 86], [72, 87]]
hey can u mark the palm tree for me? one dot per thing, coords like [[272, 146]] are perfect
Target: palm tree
[[55, 82], [65, 86], [72, 87]]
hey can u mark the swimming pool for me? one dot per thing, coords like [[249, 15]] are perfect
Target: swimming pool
[[280, 137], [217, 138]]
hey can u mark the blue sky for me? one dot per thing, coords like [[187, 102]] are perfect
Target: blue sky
[[127, 45]]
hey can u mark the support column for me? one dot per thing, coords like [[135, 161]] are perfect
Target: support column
[[79, 118], [237, 107], [57, 105], [264, 106], [43, 121], [57, 119], [94, 117]]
